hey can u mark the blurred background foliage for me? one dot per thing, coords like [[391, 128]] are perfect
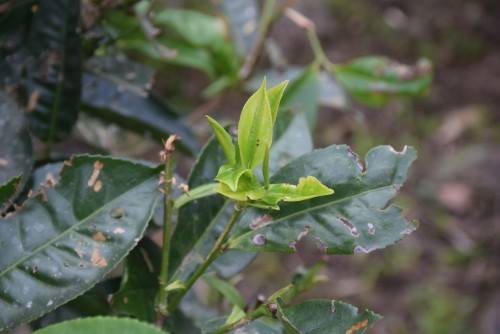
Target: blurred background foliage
[[152, 68]]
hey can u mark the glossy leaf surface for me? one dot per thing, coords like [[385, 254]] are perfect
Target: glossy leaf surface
[[136, 297], [16, 153], [101, 325], [110, 96], [195, 216], [375, 80], [67, 238], [356, 218], [54, 80], [325, 317]]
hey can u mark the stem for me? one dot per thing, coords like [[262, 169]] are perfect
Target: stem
[[312, 36], [214, 253], [255, 314], [162, 301]]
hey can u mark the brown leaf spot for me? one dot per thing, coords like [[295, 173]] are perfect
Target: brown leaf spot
[[97, 260], [98, 236], [33, 101], [97, 186], [95, 173], [357, 326]]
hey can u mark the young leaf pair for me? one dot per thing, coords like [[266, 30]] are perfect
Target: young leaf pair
[[255, 135]]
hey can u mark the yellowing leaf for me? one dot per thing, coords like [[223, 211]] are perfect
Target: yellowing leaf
[[308, 187], [224, 139], [255, 128]]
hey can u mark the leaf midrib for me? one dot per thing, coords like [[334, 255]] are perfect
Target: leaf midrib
[[70, 229], [297, 213]]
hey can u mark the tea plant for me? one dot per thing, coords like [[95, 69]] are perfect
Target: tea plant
[[75, 233]]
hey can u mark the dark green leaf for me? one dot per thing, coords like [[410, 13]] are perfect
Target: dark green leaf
[[302, 94], [8, 189], [107, 325], [243, 17], [275, 94], [375, 80], [292, 138], [136, 297], [112, 99], [53, 80], [357, 218], [67, 238], [16, 156], [331, 94], [326, 317], [195, 217]]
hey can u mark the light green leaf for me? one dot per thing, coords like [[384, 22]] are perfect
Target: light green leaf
[[224, 138], [356, 219], [196, 193], [194, 27], [248, 189], [255, 128], [230, 175], [308, 187], [323, 316], [67, 238], [226, 289], [101, 325], [236, 315], [375, 80], [275, 94]]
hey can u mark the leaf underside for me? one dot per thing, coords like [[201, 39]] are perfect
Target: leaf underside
[[67, 238]]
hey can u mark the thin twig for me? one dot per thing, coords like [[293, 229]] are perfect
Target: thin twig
[[214, 253], [166, 155], [308, 25], [268, 17]]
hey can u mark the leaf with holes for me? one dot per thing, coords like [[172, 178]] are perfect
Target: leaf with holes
[[356, 218], [375, 80], [108, 325], [323, 316], [53, 80], [68, 237], [202, 220]]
